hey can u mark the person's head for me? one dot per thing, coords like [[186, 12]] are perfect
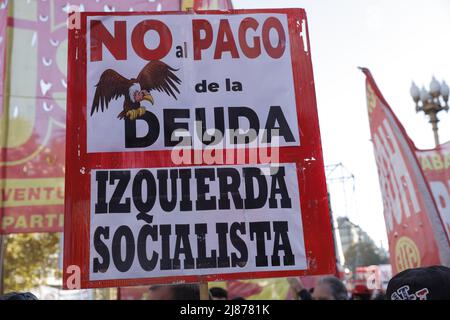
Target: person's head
[[218, 293], [19, 296], [430, 283], [329, 288], [174, 292]]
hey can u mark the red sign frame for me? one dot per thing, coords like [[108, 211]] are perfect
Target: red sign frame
[[308, 158]]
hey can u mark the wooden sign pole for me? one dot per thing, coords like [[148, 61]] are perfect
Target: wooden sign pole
[[204, 291]]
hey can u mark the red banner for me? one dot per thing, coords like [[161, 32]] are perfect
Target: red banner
[[415, 230], [33, 107], [435, 165]]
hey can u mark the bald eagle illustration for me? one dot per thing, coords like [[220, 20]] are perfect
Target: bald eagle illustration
[[156, 75]]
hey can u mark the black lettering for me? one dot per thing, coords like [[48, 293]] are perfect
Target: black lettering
[[213, 87], [239, 244], [278, 178], [101, 248], [257, 231], [165, 232], [281, 242], [144, 233], [170, 126], [131, 138], [234, 113], [183, 246], [231, 187], [203, 188], [167, 205], [203, 261], [201, 87], [219, 125], [126, 233], [276, 116], [179, 52], [101, 206], [251, 201], [185, 203], [237, 86], [141, 176], [115, 204], [223, 260], [228, 84]]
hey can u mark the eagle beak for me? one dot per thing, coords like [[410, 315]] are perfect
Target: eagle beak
[[149, 98]]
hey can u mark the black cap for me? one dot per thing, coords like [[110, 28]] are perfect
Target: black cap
[[430, 283], [18, 296]]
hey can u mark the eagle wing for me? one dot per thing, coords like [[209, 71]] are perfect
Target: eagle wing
[[157, 75], [111, 85]]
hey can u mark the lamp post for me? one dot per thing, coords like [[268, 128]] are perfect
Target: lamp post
[[431, 102]]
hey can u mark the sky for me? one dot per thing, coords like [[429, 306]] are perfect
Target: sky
[[399, 41]]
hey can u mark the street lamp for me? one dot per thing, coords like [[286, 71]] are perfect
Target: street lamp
[[431, 102]]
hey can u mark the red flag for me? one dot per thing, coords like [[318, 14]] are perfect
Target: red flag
[[415, 229], [435, 165]]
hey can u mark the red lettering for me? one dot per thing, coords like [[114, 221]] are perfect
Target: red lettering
[[60, 192], [249, 51], [48, 191], [165, 40], [223, 45], [116, 44], [199, 25], [422, 294], [203, 35], [19, 194], [269, 24], [6, 194], [34, 193]]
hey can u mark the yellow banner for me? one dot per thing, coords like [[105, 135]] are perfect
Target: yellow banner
[[31, 192], [23, 222]]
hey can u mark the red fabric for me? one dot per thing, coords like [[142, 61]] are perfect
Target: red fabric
[[435, 164], [415, 233]]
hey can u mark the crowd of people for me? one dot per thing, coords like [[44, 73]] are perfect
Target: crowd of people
[[429, 283]]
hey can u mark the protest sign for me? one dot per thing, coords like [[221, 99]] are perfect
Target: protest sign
[[193, 149]]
